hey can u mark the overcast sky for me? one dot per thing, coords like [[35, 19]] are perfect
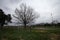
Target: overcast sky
[[43, 7]]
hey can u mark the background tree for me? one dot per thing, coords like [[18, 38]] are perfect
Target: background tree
[[3, 18], [25, 15]]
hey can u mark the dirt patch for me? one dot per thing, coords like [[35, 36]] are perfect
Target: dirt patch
[[55, 36]]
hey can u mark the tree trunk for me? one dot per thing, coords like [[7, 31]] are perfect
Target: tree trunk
[[24, 25], [1, 26]]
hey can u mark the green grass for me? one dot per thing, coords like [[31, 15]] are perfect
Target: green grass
[[27, 34]]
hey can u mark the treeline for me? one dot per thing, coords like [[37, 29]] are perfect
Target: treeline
[[47, 25]]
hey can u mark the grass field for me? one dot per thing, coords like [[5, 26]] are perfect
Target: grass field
[[27, 34]]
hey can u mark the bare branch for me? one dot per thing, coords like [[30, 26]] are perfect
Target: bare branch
[[25, 14]]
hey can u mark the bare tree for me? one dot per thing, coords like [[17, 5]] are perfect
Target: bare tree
[[25, 15]]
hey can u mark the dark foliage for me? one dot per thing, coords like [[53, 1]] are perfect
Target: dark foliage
[[4, 18]]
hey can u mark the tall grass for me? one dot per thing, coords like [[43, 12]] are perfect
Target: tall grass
[[27, 34]]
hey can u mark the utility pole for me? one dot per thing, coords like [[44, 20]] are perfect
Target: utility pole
[[52, 18]]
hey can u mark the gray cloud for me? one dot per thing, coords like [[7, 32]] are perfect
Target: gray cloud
[[9, 5], [44, 7]]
